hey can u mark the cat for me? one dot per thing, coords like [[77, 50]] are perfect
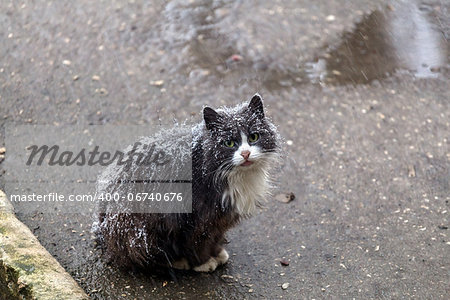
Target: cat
[[234, 151]]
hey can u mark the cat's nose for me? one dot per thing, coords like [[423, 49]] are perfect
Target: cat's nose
[[245, 154]]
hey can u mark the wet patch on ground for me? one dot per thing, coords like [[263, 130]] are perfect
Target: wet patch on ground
[[401, 37], [213, 46]]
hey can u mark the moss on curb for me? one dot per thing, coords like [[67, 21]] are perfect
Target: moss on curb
[[10, 286]]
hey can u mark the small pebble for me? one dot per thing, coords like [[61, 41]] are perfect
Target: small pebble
[[331, 18], [284, 262], [67, 62], [289, 142], [236, 57], [411, 171], [2, 150], [285, 198], [285, 285], [102, 91], [95, 78], [336, 72], [157, 82]]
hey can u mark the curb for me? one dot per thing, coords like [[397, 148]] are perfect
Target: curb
[[27, 270]]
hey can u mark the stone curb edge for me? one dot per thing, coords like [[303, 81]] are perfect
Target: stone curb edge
[[27, 269]]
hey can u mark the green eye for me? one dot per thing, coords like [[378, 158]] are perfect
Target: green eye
[[253, 137], [229, 144]]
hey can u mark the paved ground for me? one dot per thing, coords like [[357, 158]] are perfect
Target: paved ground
[[365, 115]]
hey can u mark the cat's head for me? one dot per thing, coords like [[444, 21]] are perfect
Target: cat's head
[[241, 137]]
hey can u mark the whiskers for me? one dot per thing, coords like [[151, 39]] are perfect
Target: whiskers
[[266, 160], [222, 172]]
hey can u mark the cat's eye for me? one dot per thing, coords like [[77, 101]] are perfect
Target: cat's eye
[[253, 137], [229, 144]]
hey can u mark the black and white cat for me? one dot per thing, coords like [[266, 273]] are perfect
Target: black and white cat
[[233, 153]]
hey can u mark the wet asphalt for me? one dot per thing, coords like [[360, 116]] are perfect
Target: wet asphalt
[[358, 89]]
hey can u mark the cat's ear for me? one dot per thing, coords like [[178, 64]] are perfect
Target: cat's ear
[[211, 117], [256, 105]]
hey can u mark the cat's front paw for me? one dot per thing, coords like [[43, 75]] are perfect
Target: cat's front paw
[[223, 256], [181, 264], [208, 266]]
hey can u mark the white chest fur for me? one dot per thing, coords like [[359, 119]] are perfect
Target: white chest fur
[[246, 188]]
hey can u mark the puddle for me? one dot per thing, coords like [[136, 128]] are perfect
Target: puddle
[[400, 38]]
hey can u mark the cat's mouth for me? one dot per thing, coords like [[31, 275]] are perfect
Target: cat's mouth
[[247, 163]]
